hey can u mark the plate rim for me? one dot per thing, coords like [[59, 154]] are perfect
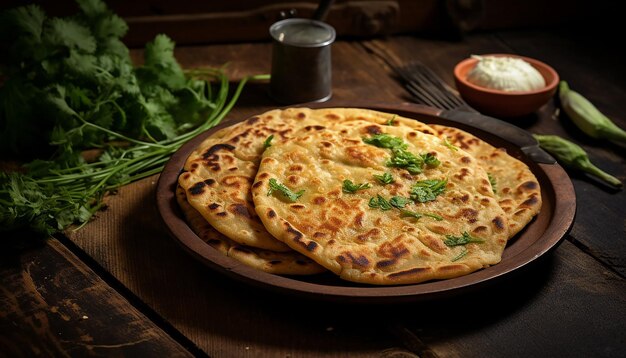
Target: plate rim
[[563, 209]]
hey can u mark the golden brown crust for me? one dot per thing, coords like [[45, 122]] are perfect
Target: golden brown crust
[[363, 244], [280, 263], [517, 189], [227, 180]]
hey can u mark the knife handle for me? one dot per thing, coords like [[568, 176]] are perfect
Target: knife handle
[[507, 131]]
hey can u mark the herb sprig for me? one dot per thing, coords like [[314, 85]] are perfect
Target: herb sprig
[[428, 190], [71, 86], [351, 188], [281, 188]]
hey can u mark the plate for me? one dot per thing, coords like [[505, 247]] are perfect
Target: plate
[[538, 238]]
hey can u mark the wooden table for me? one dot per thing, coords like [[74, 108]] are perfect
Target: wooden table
[[122, 287]]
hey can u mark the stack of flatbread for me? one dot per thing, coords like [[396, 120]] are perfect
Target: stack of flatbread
[[372, 197]]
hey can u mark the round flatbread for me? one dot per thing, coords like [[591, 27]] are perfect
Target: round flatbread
[[515, 186], [219, 173], [377, 234], [217, 176], [280, 263]]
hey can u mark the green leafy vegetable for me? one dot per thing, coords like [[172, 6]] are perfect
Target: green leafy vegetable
[[399, 202], [430, 160], [427, 190], [449, 145], [268, 141], [351, 188], [385, 141], [379, 202], [460, 255], [70, 86], [401, 158], [391, 121], [385, 178], [492, 181], [464, 239], [276, 186], [414, 214]]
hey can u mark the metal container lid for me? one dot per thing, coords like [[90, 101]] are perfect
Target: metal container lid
[[303, 33]]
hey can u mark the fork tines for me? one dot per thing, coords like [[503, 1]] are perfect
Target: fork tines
[[427, 87]]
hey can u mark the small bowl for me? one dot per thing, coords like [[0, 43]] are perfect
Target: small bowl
[[499, 103]]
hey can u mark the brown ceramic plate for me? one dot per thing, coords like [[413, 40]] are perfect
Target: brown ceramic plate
[[541, 235]]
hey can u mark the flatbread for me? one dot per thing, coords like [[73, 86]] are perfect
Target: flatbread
[[343, 233], [219, 173], [280, 263], [516, 187], [217, 176]]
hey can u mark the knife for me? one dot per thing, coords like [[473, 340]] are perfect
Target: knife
[[507, 131]]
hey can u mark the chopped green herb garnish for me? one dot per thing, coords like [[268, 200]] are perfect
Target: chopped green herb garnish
[[276, 186], [408, 213], [414, 214], [380, 203], [449, 145], [399, 201], [402, 158], [391, 121], [434, 216], [385, 141], [351, 188], [427, 190], [430, 160], [492, 181], [459, 256], [465, 238], [268, 142], [385, 178]]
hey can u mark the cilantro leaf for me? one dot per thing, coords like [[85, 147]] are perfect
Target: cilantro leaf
[[447, 143], [70, 34], [402, 158], [384, 141], [493, 182], [399, 202], [427, 190], [430, 160], [391, 121], [460, 255], [385, 178], [276, 186], [414, 214], [351, 188], [464, 239], [160, 65], [379, 202], [268, 141]]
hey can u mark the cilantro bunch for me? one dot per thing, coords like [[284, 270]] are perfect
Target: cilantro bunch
[[70, 88]]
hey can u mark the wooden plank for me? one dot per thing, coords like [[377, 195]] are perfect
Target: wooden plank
[[223, 318], [596, 71], [568, 305], [51, 305]]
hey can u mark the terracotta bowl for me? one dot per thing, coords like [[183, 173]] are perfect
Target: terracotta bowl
[[499, 103]]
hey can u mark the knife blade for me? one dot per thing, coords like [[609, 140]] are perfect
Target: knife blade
[[507, 131]]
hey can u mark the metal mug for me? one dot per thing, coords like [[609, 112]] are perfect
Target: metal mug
[[301, 62]]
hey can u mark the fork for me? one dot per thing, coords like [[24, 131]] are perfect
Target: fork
[[428, 88]]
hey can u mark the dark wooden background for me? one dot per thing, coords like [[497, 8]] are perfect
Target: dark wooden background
[[122, 287]]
